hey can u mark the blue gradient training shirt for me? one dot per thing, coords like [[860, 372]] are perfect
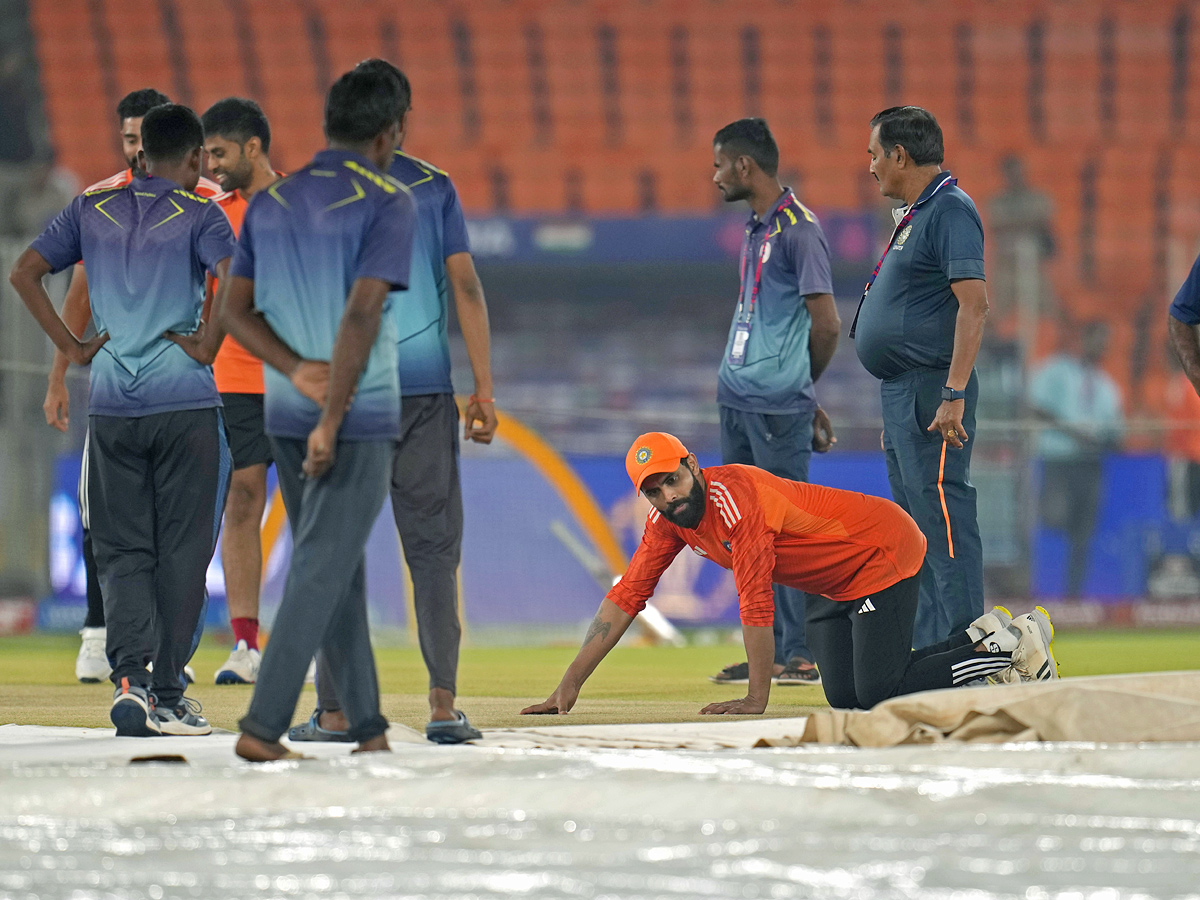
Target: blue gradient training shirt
[[789, 254], [146, 246], [304, 242], [421, 312]]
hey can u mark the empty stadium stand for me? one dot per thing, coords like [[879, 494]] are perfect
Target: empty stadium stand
[[606, 107]]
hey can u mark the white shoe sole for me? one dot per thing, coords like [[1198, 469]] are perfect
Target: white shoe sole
[[92, 676], [177, 728]]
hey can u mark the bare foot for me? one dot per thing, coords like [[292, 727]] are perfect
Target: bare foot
[[441, 706], [333, 720], [253, 749], [374, 745]]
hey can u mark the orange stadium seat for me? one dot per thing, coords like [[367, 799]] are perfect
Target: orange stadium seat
[[659, 110], [595, 128]]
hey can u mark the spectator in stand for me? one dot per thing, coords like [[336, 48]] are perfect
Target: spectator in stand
[[1020, 221], [1074, 395], [48, 189]]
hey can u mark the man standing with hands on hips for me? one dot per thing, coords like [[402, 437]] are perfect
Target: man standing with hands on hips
[[918, 329], [784, 333]]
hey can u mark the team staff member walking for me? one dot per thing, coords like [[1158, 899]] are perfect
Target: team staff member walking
[[918, 330], [158, 468], [784, 333], [860, 554], [237, 139], [425, 490], [318, 255]]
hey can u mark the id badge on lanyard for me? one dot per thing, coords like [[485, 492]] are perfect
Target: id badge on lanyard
[[741, 334], [741, 329]]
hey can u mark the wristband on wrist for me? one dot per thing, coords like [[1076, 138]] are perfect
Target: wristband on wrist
[[475, 399]]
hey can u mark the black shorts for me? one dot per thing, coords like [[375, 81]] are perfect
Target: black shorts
[[247, 438]]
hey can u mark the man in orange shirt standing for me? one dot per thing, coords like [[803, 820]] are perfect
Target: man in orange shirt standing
[[237, 138], [858, 557]]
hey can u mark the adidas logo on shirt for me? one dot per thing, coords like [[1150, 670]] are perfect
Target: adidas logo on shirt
[[867, 607]]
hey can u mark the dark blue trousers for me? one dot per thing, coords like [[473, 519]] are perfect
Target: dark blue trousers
[[931, 480], [427, 506], [782, 445], [156, 488]]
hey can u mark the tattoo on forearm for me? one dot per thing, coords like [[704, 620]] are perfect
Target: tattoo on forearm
[[597, 628]]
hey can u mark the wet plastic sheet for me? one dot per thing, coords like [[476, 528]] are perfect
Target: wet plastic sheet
[[1068, 821]]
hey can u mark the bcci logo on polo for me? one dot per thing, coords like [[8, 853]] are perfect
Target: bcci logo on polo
[[643, 456], [903, 236]]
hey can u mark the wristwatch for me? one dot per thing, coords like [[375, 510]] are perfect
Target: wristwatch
[[949, 393]]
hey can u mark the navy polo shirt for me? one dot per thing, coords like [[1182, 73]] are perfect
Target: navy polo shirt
[[775, 376], [1186, 306], [908, 317]]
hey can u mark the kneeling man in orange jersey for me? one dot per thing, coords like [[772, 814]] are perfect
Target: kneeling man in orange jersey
[[859, 557]]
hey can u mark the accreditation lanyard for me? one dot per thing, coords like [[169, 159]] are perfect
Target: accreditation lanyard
[[745, 310], [900, 226]]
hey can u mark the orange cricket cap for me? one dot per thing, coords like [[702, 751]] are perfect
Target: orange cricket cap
[[652, 454]]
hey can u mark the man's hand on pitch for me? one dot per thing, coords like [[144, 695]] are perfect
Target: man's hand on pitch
[[57, 405], [558, 703], [746, 706], [311, 378], [823, 436]]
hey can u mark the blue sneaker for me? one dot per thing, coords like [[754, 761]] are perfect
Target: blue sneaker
[[133, 711]]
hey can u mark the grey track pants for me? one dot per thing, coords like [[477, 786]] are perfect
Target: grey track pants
[[324, 600], [427, 505]]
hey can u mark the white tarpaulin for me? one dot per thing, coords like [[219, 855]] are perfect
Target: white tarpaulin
[[551, 812]]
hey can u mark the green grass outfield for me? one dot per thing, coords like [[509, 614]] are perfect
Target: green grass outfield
[[635, 684]]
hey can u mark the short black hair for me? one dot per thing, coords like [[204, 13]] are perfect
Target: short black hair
[[913, 128], [752, 138], [170, 132], [237, 119], [136, 104], [375, 64], [362, 105]]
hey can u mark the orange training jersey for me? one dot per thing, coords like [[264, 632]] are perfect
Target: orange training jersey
[[205, 187], [236, 369], [840, 544]]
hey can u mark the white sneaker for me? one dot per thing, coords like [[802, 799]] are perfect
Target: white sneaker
[[241, 667], [989, 623], [91, 665], [183, 719], [1033, 659]]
